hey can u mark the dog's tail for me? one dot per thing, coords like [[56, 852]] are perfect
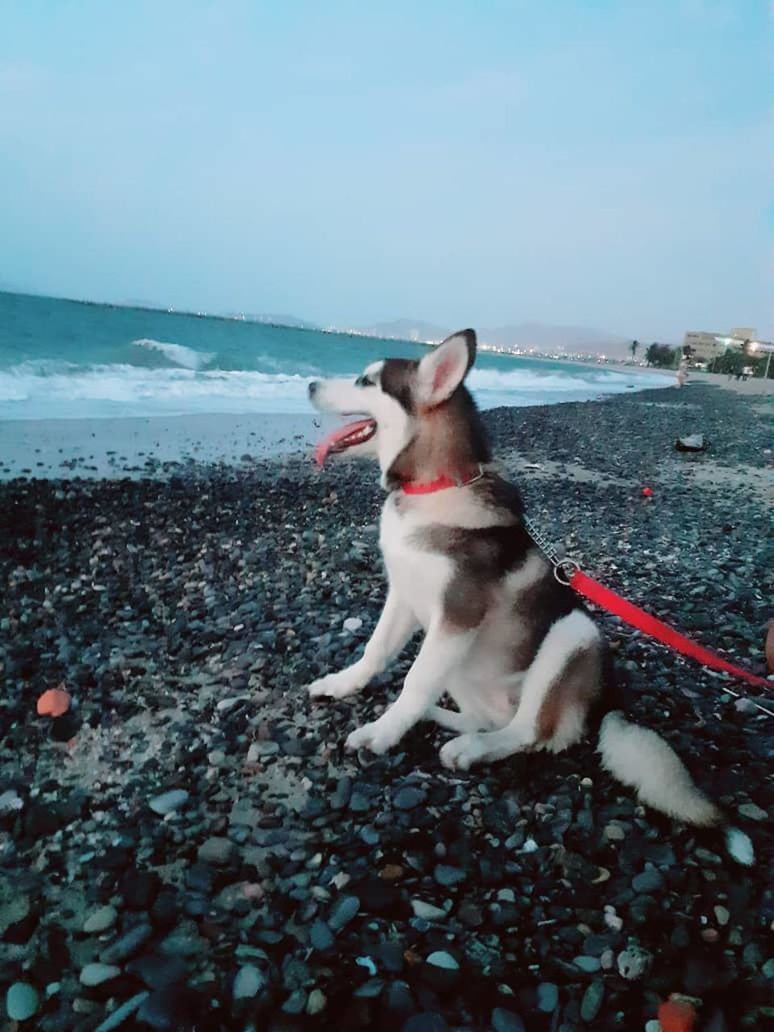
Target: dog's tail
[[641, 759]]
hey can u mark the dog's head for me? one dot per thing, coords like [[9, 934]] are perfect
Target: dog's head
[[418, 418]]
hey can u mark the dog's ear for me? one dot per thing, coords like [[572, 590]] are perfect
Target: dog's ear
[[442, 371]]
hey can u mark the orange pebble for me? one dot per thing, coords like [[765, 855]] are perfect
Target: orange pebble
[[676, 1016], [53, 703]]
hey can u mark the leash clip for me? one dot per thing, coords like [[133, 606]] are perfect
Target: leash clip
[[565, 570]]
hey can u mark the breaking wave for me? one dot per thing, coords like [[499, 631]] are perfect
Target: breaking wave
[[53, 389], [179, 354]]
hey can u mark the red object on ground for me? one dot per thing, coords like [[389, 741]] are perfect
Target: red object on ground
[[647, 492], [650, 625], [53, 703], [676, 1016]]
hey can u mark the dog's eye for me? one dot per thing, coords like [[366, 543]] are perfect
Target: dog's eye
[[365, 381]]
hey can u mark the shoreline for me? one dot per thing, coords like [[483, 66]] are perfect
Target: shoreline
[[140, 446], [185, 615]]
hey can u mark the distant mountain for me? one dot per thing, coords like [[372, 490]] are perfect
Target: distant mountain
[[543, 337], [405, 329], [555, 339]]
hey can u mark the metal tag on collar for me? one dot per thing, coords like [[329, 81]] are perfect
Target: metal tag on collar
[[473, 480]]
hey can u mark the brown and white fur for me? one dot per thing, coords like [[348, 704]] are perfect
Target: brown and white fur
[[516, 651]]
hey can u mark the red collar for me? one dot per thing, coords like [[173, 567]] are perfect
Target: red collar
[[414, 487]]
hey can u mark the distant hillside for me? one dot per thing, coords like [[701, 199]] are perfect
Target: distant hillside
[[553, 339], [543, 337], [405, 329]]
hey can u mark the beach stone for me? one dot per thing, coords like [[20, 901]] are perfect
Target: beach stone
[[650, 880], [127, 945], [321, 936], [429, 1021], [316, 1002], [342, 912], [722, 915], [428, 911], [21, 1001], [408, 798], [614, 832], [588, 964], [752, 812], [217, 850], [633, 963], [506, 1021], [157, 971], [168, 802], [101, 920], [117, 1017], [295, 1003], [96, 973], [547, 997], [447, 875], [442, 959], [352, 624], [591, 1004], [249, 981], [169, 1009], [341, 795], [10, 802]]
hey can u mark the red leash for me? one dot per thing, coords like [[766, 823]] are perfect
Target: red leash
[[568, 572], [636, 617]]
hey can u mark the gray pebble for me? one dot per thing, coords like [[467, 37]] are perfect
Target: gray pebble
[[408, 798], [21, 1001], [248, 983], [752, 812], [591, 1004], [342, 912], [168, 802], [127, 945], [217, 850], [96, 974], [447, 875], [649, 880], [100, 920], [120, 1014], [547, 997], [506, 1021]]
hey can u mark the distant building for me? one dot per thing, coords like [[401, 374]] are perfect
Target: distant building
[[707, 346]]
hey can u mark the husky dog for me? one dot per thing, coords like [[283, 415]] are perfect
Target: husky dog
[[514, 649]]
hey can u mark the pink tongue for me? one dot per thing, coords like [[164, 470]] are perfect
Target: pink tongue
[[328, 444]]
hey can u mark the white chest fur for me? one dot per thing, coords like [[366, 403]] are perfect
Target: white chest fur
[[419, 577]]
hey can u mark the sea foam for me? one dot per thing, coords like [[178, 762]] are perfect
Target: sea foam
[[177, 353]]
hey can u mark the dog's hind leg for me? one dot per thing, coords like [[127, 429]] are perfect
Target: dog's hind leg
[[555, 694], [440, 656], [391, 634]]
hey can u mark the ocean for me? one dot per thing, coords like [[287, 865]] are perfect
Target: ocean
[[69, 360]]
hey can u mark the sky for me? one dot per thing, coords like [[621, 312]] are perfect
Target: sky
[[603, 163]]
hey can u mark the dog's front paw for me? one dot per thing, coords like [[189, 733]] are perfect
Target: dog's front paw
[[335, 686], [378, 736], [462, 752]]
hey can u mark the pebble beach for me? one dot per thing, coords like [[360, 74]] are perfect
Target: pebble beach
[[188, 845]]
